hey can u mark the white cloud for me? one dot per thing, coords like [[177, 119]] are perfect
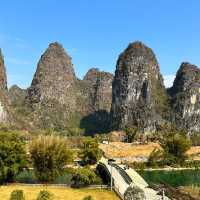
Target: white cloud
[[168, 80]]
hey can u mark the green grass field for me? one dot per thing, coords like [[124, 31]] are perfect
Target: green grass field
[[60, 193]]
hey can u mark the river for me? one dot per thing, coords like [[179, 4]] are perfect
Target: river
[[174, 178]]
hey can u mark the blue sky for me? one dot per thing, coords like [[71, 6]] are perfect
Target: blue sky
[[95, 32]]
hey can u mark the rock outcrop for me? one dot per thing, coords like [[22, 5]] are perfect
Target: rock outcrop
[[97, 90], [185, 98], [134, 97], [52, 91], [17, 95], [59, 100], [5, 115], [3, 77], [100, 89], [138, 94]]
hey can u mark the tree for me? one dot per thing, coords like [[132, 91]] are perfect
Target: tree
[[89, 197], [155, 156], [49, 155], [12, 156], [83, 177], [17, 195], [175, 144], [195, 138], [90, 153], [130, 134], [44, 195]]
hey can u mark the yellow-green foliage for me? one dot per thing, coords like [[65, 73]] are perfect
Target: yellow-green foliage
[[45, 195], [89, 197], [12, 155], [49, 154], [85, 176], [90, 151], [17, 195]]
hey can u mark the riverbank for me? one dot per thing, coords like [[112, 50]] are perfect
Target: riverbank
[[194, 191], [170, 169]]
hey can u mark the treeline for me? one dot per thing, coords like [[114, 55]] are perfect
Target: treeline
[[46, 159]]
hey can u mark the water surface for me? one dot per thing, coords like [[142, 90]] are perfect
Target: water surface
[[173, 178]]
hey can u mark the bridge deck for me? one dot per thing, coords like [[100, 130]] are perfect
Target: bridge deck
[[126, 178]]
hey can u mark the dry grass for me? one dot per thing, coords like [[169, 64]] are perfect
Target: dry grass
[[120, 149], [194, 152], [60, 193], [193, 191]]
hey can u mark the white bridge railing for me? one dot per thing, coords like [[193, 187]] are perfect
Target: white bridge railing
[[127, 180]]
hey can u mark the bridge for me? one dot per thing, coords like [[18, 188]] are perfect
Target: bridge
[[126, 182]]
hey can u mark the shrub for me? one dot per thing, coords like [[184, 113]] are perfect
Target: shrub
[[88, 198], [155, 156], [49, 155], [130, 134], [64, 178], [135, 193], [12, 156], [83, 177], [195, 139], [175, 144], [26, 176], [17, 195], [138, 165], [44, 195], [90, 153]]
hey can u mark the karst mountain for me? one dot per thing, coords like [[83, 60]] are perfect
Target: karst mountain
[[135, 96]]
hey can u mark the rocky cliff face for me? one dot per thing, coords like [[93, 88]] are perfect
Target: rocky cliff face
[[5, 115], [54, 76], [3, 77], [100, 89], [185, 97], [138, 95], [59, 100], [17, 95], [52, 93], [96, 89]]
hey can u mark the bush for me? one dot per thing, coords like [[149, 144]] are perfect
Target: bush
[[195, 139], [155, 156], [44, 195], [12, 156], [26, 176], [90, 153], [64, 178], [49, 155], [175, 144], [17, 195], [135, 193], [88, 198], [84, 177], [130, 134], [138, 165]]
